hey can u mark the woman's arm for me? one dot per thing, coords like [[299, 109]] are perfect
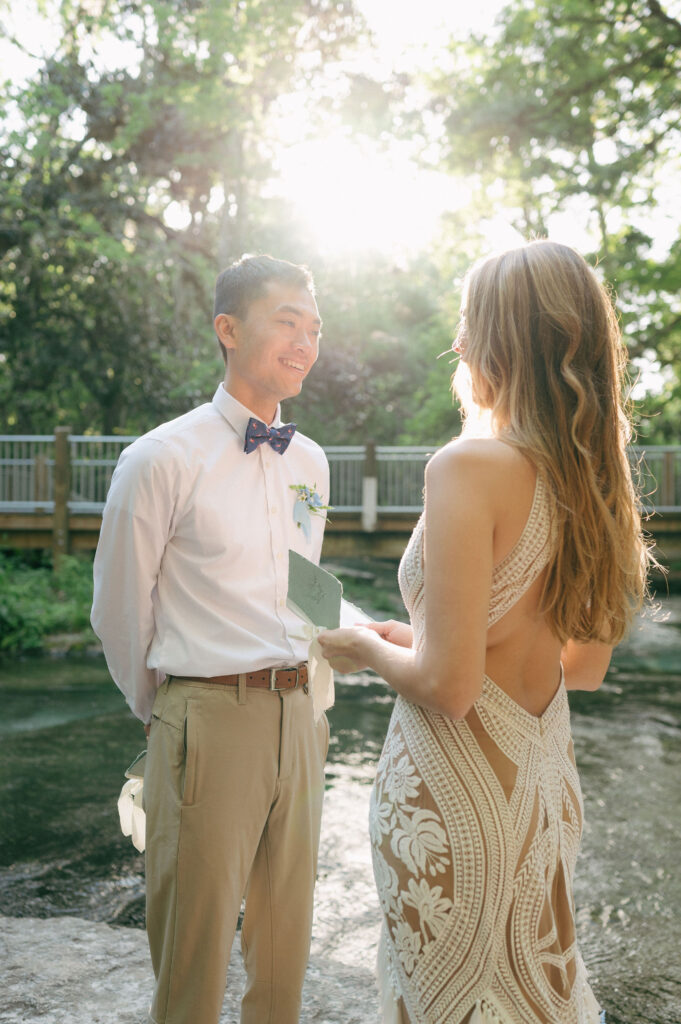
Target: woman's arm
[[585, 665], [446, 674]]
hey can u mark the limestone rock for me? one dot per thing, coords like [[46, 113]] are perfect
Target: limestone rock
[[64, 970]]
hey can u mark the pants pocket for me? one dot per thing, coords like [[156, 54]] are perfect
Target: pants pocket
[[173, 746], [326, 735], [190, 737]]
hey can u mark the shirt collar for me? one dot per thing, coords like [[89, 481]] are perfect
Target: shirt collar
[[236, 414]]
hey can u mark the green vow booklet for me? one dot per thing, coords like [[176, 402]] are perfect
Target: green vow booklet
[[313, 593]]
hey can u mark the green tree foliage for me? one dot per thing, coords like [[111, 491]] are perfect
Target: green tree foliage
[[377, 377], [139, 157], [574, 107], [103, 302]]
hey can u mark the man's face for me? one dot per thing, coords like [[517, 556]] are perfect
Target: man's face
[[272, 350]]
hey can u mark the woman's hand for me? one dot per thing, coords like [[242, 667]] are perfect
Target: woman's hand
[[398, 633], [348, 650]]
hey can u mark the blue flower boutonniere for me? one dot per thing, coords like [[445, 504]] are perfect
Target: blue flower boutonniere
[[307, 503]]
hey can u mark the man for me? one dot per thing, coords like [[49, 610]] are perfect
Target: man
[[191, 577]]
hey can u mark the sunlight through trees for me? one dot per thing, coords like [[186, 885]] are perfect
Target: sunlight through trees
[[142, 148]]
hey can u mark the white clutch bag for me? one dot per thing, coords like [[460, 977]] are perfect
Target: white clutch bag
[[130, 805]]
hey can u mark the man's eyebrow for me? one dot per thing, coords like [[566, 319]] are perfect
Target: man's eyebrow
[[297, 312]]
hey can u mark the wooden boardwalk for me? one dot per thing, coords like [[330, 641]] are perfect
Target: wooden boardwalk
[[53, 489], [345, 535]]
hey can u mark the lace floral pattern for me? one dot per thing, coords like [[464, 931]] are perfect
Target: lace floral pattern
[[417, 840], [475, 827]]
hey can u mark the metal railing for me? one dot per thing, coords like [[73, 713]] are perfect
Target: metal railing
[[400, 473], [93, 460], [27, 474], [346, 473], [657, 471]]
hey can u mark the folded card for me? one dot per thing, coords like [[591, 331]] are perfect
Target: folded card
[[313, 593]]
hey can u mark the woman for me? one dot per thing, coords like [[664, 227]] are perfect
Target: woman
[[525, 569]]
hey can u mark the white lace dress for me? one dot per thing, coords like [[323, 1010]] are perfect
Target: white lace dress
[[475, 827]]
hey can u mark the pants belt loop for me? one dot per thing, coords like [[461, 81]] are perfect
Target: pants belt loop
[[241, 691]]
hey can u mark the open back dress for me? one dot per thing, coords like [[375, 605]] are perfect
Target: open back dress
[[475, 826]]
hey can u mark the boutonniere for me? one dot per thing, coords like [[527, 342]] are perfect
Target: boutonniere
[[307, 503]]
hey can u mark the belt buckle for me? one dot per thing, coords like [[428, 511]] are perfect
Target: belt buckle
[[273, 679]]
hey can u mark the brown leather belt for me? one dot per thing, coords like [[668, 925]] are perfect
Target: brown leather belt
[[266, 679]]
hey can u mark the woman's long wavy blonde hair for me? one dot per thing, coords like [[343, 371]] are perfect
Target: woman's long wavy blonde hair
[[540, 337]]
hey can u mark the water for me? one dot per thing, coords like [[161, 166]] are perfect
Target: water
[[66, 739]]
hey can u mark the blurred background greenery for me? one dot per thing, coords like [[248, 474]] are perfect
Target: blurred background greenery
[[145, 145]]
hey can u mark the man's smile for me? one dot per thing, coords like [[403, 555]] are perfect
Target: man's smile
[[293, 365]]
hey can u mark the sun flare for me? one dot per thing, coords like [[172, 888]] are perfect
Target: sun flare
[[358, 199]]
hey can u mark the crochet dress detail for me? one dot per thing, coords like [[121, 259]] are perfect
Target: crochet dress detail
[[475, 826]]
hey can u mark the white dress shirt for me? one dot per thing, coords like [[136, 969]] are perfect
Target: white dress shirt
[[191, 570]]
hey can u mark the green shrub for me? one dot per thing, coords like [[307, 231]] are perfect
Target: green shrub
[[36, 602]]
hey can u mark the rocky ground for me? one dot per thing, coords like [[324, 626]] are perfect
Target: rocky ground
[[68, 971]]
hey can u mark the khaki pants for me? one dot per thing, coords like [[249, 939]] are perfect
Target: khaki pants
[[233, 798]]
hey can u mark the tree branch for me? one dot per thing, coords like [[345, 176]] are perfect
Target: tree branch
[[656, 9]]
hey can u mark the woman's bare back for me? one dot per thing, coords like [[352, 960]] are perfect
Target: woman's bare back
[[523, 655]]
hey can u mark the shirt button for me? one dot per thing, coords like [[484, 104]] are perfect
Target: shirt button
[[282, 603], [275, 510]]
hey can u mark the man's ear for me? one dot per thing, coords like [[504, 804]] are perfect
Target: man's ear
[[226, 328]]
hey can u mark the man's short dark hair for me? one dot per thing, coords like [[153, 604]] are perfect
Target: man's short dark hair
[[246, 280]]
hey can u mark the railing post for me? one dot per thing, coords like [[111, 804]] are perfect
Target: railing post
[[370, 490], [62, 488]]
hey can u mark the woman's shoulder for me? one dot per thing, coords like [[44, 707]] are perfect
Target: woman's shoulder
[[485, 476], [486, 458]]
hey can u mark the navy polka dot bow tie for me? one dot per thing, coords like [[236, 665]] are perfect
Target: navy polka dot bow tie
[[278, 438]]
